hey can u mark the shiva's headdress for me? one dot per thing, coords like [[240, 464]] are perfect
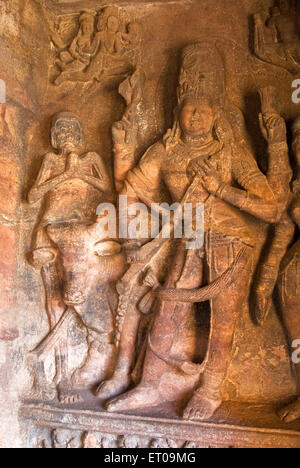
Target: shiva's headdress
[[202, 74]]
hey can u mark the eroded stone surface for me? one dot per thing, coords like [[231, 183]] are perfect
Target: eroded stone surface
[[89, 90]]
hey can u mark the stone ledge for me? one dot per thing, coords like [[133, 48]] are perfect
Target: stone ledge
[[72, 7], [203, 434]]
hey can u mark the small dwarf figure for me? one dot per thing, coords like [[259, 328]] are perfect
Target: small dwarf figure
[[73, 253]]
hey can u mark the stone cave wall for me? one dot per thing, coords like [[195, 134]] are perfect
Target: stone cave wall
[[260, 370]]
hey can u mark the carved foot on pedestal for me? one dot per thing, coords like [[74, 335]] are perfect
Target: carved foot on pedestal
[[201, 407], [115, 386], [291, 412], [95, 367], [138, 398], [66, 393], [42, 390], [87, 376]]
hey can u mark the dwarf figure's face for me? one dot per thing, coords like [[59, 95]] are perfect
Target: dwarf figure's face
[[67, 133], [196, 118]]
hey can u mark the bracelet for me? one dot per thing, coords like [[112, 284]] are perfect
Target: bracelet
[[219, 192], [281, 145], [244, 202]]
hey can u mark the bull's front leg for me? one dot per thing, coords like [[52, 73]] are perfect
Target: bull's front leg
[[45, 259], [121, 378], [66, 393], [128, 319], [73, 273]]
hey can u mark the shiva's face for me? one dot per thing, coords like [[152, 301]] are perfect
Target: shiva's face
[[196, 118]]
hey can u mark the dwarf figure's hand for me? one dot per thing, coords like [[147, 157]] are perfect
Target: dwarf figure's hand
[[72, 168]]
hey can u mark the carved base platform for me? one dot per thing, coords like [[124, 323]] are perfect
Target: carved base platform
[[234, 426]]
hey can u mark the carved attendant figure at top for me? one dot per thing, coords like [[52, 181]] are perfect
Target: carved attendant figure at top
[[199, 161], [104, 51], [110, 36], [81, 50], [277, 42], [68, 245]]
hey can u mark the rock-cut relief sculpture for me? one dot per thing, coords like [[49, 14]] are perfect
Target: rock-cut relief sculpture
[[289, 284], [280, 264], [277, 40], [104, 46], [77, 259], [198, 161], [279, 175]]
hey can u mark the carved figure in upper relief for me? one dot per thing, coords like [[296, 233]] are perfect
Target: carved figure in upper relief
[[83, 47], [109, 35], [77, 259], [198, 161], [110, 50], [277, 41]]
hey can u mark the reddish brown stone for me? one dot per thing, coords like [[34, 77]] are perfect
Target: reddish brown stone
[[163, 101]]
